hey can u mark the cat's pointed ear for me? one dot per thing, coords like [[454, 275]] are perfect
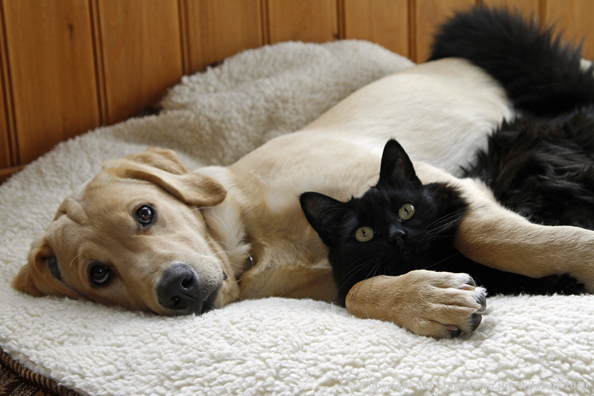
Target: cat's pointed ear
[[396, 167], [325, 214]]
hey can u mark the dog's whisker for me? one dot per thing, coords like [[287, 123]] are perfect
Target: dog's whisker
[[75, 257]]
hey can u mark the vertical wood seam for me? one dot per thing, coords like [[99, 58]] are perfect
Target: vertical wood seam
[[8, 95], [184, 35], [95, 20], [340, 17], [265, 22], [412, 30], [542, 11]]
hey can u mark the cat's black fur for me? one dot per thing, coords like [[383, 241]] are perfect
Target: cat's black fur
[[398, 246], [541, 164], [424, 241]]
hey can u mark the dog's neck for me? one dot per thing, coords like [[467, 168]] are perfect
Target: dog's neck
[[253, 229], [226, 226]]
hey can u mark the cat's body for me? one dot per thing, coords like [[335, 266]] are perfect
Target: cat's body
[[400, 225], [541, 165]]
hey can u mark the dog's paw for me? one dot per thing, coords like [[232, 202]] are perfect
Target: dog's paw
[[436, 304], [449, 304]]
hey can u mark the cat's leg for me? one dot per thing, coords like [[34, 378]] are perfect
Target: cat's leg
[[436, 304], [494, 236]]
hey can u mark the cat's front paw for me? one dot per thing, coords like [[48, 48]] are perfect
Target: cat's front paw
[[436, 304]]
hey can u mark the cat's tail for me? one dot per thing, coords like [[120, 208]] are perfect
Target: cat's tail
[[539, 73]]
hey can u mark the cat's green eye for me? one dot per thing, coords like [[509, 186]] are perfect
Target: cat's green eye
[[364, 234], [406, 211]]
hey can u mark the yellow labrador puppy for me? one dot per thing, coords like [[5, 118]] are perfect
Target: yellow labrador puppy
[[147, 234]]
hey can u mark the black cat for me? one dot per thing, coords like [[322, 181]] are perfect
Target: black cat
[[400, 225], [541, 164]]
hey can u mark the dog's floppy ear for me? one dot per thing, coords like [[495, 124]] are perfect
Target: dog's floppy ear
[[164, 168], [40, 276], [160, 158]]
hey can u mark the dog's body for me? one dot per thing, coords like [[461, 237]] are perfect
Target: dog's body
[[349, 168], [147, 234]]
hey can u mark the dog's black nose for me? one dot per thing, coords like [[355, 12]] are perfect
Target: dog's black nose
[[180, 290]]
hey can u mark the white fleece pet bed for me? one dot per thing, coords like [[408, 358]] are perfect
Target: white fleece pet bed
[[525, 345]]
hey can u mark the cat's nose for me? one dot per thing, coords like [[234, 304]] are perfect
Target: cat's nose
[[396, 235]]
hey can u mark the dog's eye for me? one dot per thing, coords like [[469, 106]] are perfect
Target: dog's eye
[[54, 268], [406, 211], [100, 274], [364, 234], [145, 215]]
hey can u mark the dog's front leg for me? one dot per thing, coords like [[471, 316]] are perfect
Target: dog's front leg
[[429, 303], [494, 236]]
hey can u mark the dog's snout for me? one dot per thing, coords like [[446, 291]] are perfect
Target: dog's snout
[[180, 289]]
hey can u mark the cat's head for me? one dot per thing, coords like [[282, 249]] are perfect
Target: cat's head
[[397, 226]]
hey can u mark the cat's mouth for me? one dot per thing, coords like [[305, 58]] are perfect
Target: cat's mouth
[[401, 246], [406, 250]]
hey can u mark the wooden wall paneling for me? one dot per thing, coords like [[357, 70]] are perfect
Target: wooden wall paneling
[[304, 20], [5, 159], [530, 8], [141, 53], [220, 28], [428, 15], [98, 57], [49, 45], [574, 19], [384, 22], [5, 130]]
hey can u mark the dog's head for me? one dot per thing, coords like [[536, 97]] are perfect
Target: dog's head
[[134, 236]]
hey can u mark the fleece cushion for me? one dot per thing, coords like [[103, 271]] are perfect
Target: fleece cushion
[[525, 345]]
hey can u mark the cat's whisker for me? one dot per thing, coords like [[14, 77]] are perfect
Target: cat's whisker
[[433, 238], [441, 230], [370, 284], [456, 215], [441, 261], [444, 223], [369, 262], [360, 265]]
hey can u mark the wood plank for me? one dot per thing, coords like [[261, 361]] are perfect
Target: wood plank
[[141, 51], [574, 19], [304, 20], [529, 8], [428, 15], [52, 72], [5, 130], [384, 22], [5, 160], [220, 28]]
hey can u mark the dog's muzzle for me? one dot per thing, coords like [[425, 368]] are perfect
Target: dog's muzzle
[[182, 291]]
